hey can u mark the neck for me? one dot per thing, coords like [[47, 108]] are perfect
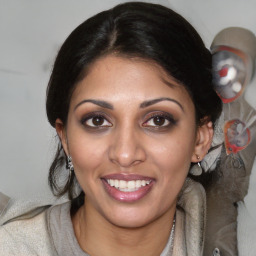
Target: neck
[[97, 236]]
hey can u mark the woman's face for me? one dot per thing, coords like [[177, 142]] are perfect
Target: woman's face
[[131, 134]]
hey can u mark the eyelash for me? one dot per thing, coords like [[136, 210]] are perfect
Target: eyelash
[[90, 117], [166, 116]]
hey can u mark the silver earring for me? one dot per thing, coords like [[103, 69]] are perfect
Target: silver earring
[[70, 167], [70, 164], [196, 169]]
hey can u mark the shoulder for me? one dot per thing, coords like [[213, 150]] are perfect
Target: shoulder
[[24, 229], [25, 237]]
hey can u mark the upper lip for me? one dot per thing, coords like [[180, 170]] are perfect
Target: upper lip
[[126, 177]]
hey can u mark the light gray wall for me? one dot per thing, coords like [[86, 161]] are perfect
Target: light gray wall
[[30, 33]]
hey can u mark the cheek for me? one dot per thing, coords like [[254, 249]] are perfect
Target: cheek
[[88, 158], [180, 144], [173, 155], [173, 160], [87, 153]]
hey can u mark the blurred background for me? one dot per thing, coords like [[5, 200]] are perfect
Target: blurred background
[[31, 33]]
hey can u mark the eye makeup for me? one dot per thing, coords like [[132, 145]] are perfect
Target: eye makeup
[[95, 121], [159, 121], [152, 120]]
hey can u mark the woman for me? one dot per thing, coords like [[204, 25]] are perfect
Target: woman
[[132, 102]]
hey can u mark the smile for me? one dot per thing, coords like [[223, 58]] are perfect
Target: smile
[[128, 186]]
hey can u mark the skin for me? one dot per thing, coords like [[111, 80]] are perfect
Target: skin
[[130, 142]]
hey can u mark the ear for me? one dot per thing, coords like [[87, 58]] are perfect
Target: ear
[[203, 142], [60, 129]]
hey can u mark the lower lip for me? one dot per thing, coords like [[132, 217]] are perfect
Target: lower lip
[[127, 196]]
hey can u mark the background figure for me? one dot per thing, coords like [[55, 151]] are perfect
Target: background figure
[[237, 136], [230, 72], [234, 52]]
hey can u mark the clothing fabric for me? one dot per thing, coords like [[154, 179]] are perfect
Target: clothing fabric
[[29, 229]]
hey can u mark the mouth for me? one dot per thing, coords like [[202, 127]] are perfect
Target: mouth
[[127, 188]]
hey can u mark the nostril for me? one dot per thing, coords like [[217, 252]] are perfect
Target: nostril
[[126, 149], [125, 158]]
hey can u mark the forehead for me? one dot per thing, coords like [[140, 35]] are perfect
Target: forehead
[[128, 80]]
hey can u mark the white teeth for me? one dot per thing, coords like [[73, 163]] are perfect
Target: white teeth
[[131, 184], [122, 184], [138, 183], [128, 186]]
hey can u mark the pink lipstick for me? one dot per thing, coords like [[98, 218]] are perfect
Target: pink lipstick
[[127, 187]]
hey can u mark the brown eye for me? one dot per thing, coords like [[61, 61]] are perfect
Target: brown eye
[[159, 120], [97, 121]]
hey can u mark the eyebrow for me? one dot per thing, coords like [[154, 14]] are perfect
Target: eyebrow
[[100, 103], [144, 104], [154, 101]]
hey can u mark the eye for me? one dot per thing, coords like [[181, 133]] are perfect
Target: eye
[[160, 120], [96, 121]]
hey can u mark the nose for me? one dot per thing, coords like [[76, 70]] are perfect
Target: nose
[[127, 148]]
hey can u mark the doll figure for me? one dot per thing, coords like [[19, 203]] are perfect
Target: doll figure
[[237, 136], [234, 51], [231, 72]]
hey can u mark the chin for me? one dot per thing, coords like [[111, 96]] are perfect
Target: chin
[[130, 223], [130, 218]]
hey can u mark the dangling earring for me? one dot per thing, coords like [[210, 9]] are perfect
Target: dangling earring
[[196, 169], [70, 167]]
